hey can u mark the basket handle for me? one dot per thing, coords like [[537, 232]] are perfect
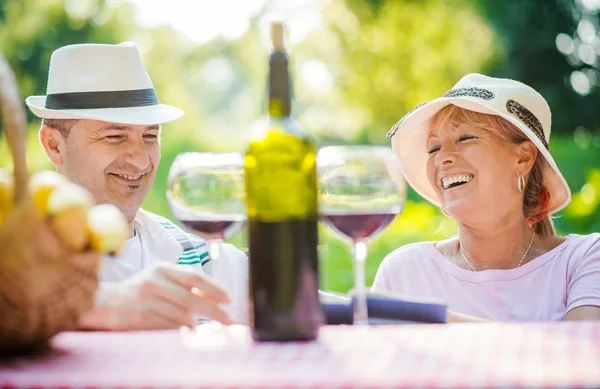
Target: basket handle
[[14, 122]]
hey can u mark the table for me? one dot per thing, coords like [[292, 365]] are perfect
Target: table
[[565, 354]]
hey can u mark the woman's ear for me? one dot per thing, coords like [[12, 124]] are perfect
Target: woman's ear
[[527, 154], [53, 143]]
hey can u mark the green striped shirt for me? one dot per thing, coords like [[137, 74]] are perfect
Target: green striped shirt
[[195, 249]]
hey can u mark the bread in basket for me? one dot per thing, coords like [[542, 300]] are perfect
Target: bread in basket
[[44, 284]]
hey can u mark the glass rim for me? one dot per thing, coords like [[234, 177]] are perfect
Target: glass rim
[[211, 158], [330, 152], [190, 159]]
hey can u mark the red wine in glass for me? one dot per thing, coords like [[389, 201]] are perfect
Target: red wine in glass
[[358, 226], [362, 190], [214, 228]]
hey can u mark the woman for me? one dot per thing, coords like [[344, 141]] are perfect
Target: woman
[[480, 152]]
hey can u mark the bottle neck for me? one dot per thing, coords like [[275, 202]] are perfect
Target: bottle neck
[[280, 104]]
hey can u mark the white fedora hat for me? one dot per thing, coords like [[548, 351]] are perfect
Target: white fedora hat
[[101, 82], [514, 101]]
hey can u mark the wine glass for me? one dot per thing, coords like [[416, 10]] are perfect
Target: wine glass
[[361, 192], [206, 194]]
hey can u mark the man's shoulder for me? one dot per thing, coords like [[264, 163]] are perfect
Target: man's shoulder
[[149, 220], [163, 221]]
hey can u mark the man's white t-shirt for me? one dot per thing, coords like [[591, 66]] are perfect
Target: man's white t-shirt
[[129, 261]]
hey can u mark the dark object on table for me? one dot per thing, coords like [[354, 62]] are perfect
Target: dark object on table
[[386, 310]]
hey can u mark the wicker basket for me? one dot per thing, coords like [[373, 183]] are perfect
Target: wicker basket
[[44, 288]]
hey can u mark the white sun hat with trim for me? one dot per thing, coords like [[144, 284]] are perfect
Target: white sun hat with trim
[[514, 101], [101, 82]]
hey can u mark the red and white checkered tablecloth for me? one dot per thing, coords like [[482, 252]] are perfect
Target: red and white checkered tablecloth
[[426, 356]]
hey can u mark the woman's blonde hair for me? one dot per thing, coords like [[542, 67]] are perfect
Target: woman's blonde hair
[[536, 198]]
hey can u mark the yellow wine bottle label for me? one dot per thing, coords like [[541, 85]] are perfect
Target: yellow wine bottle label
[[281, 178]]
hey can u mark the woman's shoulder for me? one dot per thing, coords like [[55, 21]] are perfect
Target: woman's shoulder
[[412, 248], [409, 253], [583, 244], [402, 261]]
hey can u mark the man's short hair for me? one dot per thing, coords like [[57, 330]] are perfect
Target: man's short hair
[[62, 125]]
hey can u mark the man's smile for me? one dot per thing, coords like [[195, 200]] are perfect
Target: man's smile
[[130, 180]]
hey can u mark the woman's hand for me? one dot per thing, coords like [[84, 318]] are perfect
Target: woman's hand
[[586, 312], [455, 317]]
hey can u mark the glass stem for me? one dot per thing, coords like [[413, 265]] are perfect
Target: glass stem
[[214, 247], [218, 274], [361, 315]]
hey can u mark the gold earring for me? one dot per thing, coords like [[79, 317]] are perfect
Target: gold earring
[[445, 212], [521, 183]]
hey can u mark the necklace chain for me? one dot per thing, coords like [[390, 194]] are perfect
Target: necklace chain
[[460, 250]]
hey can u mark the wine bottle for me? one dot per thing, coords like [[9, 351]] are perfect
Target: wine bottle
[[281, 196]]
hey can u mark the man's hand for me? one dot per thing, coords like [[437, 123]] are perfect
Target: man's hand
[[165, 296]]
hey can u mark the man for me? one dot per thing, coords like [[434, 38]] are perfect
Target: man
[[101, 128]]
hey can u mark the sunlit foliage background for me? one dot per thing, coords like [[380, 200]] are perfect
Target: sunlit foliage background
[[359, 66]]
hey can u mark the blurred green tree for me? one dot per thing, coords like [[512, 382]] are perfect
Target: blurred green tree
[[398, 54], [553, 46], [583, 214], [31, 29]]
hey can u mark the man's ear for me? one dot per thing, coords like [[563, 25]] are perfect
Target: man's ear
[[527, 153], [53, 143]]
